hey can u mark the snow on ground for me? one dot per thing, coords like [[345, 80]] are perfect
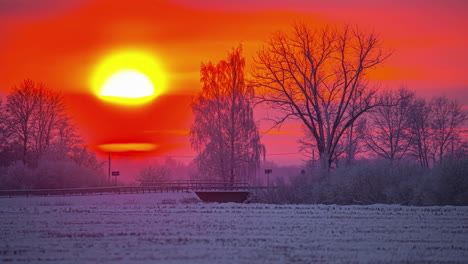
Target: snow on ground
[[175, 228]]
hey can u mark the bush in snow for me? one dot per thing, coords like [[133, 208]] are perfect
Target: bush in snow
[[16, 176], [449, 182], [153, 174], [65, 174], [368, 182], [48, 174]]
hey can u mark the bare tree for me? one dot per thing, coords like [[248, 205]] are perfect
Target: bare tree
[[21, 104], [48, 117], [351, 142], [388, 133], [317, 76], [420, 119], [34, 115], [81, 155], [224, 132], [154, 174], [448, 116], [349, 146], [6, 150], [35, 128], [3, 127], [67, 141]]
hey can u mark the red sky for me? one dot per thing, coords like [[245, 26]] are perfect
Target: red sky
[[59, 42]]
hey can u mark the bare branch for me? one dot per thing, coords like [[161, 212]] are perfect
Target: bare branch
[[317, 76]]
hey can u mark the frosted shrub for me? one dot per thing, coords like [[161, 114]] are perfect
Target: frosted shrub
[[154, 174], [407, 185], [53, 174], [362, 183], [16, 176], [450, 182], [381, 182], [64, 174], [371, 182], [47, 175], [297, 191]]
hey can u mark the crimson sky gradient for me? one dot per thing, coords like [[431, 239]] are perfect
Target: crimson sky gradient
[[59, 42]]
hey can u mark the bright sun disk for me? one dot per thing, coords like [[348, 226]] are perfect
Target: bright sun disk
[[128, 84], [129, 77]]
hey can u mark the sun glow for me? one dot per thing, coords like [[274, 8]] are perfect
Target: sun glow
[[128, 78]]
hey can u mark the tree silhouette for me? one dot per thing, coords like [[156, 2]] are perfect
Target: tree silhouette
[[35, 116], [420, 119], [351, 144], [317, 76], [224, 131], [388, 133], [448, 116], [6, 151], [39, 146], [153, 174]]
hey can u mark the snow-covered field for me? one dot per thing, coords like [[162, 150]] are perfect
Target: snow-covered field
[[173, 228]]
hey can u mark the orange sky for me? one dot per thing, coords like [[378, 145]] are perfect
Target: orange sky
[[59, 42]]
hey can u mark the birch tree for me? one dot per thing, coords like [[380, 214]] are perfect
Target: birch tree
[[224, 132], [318, 77]]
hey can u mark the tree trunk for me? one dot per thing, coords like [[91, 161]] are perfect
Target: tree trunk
[[25, 149], [325, 161]]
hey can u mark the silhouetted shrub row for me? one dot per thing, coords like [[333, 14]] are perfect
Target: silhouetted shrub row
[[378, 183], [47, 175]]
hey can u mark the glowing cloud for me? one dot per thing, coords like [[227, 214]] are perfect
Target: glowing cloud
[[125, 147]]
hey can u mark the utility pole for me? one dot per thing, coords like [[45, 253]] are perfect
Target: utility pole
[[109, 172]]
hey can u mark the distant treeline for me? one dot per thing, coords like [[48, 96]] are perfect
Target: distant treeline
[[39, 145], [412, 151], [403, 128]]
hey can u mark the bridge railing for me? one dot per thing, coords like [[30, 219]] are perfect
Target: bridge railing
[[145, 187], [196, 184]]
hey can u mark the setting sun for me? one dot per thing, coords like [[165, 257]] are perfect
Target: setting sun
[[128, 78], [128, 84]]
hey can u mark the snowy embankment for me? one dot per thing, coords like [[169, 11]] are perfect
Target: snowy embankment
[[174, 228]]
